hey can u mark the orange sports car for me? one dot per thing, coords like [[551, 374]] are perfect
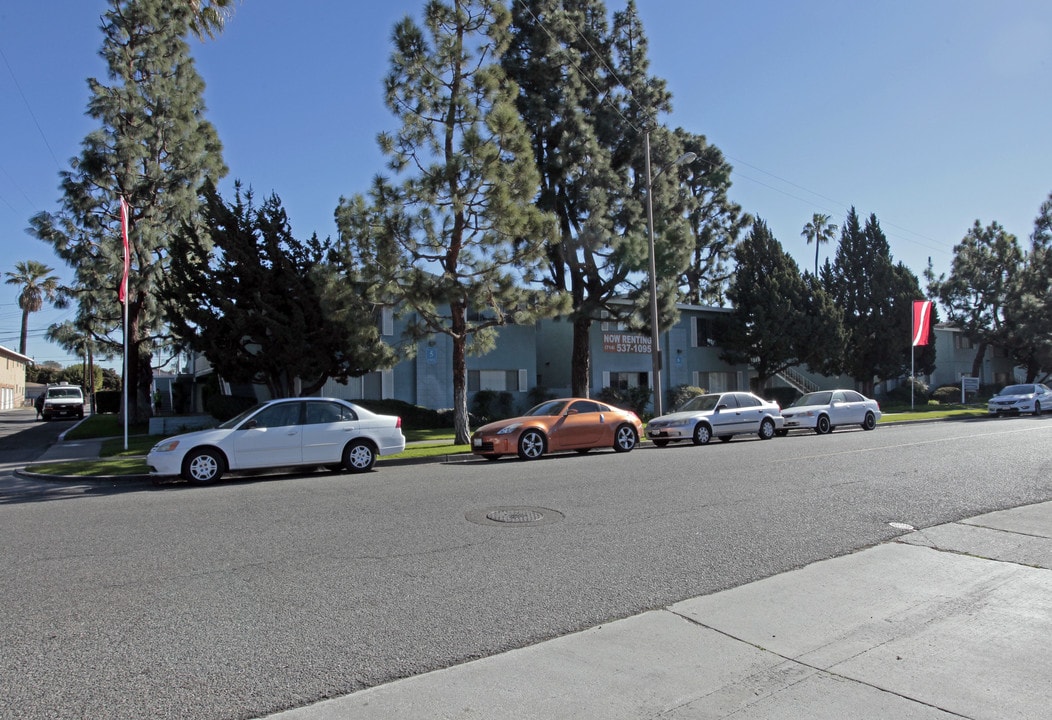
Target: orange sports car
[[566, 424]]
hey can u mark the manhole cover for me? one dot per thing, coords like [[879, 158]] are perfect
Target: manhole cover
[[516, 516]]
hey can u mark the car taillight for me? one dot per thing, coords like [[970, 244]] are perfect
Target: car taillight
[[398, 422]]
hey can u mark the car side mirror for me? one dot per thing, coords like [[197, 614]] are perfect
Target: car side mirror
[[722, 406], [250, 424]]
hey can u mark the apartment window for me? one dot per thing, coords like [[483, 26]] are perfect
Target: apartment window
[[497, 380], [715, 382], [962, 342], [626, 380], [706, 331]]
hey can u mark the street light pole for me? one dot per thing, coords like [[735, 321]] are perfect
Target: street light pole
[[655, 335]]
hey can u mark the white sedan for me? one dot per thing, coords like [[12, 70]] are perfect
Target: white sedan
[[825, 410], [721, 415], [1018, 399], [282, 433]]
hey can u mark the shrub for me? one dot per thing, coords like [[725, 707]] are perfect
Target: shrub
[[681, 394], [947, 394], [538, 394], [902, 393], [489, 405], [224, 407], [635, 399], [784, 396], [108, 401], [413, 416]]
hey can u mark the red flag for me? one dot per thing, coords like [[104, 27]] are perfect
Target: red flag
[[921, 322], [122, 293]]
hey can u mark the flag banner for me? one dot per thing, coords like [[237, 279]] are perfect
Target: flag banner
[[122, 293], [921, 322]]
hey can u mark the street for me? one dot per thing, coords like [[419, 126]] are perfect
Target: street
[[262, 594]]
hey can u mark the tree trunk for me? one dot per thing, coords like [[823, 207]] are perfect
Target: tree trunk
[[581, 360], [25, 333], [977, 363], [461, 424]]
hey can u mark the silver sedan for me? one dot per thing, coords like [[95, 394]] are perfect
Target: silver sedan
[[721, 415], [825, 410]]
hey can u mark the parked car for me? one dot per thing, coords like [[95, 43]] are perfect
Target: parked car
[[721, 415], [825, 410], [1017, 399], [62, 400], [289, 432], [557, 425]]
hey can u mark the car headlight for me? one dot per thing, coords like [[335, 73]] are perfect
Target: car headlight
[[509, 428], [166, 446]]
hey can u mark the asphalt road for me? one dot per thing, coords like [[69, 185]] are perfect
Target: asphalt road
[[257, 595]]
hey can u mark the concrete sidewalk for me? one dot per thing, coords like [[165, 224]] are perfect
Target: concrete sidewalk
[[948, 622]]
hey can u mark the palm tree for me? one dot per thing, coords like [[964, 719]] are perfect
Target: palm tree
[[37, 284], [819, 230]]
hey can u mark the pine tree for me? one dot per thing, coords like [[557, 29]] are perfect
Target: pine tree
[[154, 148], [876, 296], [587, 98], [779, 318], [264, 307], [458, 241]]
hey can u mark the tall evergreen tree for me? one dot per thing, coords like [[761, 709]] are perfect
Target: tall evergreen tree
[[264, 307], [38, 284], [715, 223], [587, 97], [983, 275], [780, 319], [1028, 308], [876, 296], [154, 148], [456, 242]]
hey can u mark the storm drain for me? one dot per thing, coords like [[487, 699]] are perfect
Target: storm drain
[[515, 516]]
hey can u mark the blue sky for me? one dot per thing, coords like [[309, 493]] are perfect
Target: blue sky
[[929, 113]]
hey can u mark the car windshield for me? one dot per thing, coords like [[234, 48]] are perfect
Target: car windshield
[[552, 407], [63, 393], [1017, 390], [815, 398], [237, 419], [700, 402]]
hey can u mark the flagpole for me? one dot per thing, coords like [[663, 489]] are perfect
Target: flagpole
[[125, 212]]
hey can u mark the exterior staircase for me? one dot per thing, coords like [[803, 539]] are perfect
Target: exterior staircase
[[798, 381]]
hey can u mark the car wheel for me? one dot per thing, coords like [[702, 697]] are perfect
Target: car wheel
[[625, 439], [766, 429], [203, 466], [822, 427], [531, 444], [781, 433], [1037, 408], [660, 443], [702, 434], [870, 422], [359, 456], [725, 438]]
